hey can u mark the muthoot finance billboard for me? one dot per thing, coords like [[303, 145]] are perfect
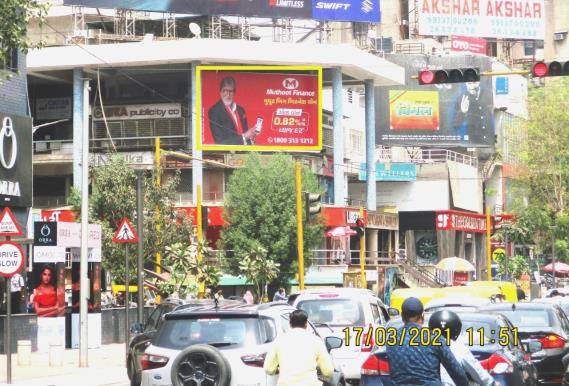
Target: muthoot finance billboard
[[259, 108]]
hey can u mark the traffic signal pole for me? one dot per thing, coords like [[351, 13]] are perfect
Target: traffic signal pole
[[363, 254], [488, 244], [201, 285], [158, 155], [299, 230]]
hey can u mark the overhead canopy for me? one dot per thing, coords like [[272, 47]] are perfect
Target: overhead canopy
[[559, 268], [340, 232], [455, 264], [354, 63]]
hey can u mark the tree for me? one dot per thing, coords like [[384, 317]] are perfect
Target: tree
[[544, 183], [113, 197], [186, 271], [14, 18], [260, 210], [259, 270]]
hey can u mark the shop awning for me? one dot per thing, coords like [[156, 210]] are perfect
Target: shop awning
[[321, 278], [232, 280]]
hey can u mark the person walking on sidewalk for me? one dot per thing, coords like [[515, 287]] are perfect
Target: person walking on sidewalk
[[297, 354], [16, 292]]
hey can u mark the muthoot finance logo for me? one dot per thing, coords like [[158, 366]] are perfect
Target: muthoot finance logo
[[290, 83]]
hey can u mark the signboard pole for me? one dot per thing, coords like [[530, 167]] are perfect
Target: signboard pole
[[126, 301], [363, 254], [488, 244], [201, 284], [8, 340], [140, 256], [300, 240]]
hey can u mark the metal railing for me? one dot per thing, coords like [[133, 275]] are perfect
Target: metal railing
[[134, 143], [336, 257], [49, 201], [422, 156], [55, 146]]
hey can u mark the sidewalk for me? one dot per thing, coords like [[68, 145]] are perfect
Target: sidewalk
[[106, 367]]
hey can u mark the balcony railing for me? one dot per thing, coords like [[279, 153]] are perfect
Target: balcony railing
[[49, 201], [54, 147], [421, 156], [325, 257]]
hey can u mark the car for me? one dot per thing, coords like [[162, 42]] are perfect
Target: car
[[561, 301], [455, 303], [507, 361], [544, 323], [564, 291], [223, 343], [143, 333], [335, 312]]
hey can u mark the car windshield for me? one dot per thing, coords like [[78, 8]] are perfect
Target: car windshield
[[227, 331], [528, 318], [477, 333], [334, 312]]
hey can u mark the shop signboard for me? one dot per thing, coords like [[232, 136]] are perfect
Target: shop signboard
[[398, 171], [251, 108], [512, 19], [380, 220], [53, 108], [467, 44], [127, 112], [461, 221]]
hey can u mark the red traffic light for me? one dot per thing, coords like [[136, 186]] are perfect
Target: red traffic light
[[542, 69], [455, 75], [360, 222]]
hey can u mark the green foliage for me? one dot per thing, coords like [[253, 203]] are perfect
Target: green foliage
[[113, 197], [545, 181], [186, 270], [14, 18], [260, 210], [257, 269], [517, 265]]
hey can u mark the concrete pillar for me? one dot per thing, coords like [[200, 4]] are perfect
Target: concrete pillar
[[371, 198], [371, 242], [339, 169], [77, 125], [197, 166]]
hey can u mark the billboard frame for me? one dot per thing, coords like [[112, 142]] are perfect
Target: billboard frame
[[199, 119]]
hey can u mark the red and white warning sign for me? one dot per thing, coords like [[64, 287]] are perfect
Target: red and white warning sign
[[8, 224], [125, 233], [11, 258]]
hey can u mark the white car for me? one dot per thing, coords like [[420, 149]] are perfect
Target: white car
[[335, 312], [218, 346]]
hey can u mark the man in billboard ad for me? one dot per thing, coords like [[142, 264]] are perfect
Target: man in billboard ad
[[259, 108], [459, 114]]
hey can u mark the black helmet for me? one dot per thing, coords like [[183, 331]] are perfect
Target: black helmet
[[446, 320]]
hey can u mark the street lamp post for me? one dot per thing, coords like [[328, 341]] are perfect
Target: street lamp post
[[553, 254]]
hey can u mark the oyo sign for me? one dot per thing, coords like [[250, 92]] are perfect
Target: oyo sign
[[468, 44], [11, 258]]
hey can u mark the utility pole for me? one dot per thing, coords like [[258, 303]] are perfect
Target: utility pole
[[201, 285], [488, 244], [507, 257], [158, 161], [299, 230], [363, 254], [553, 255], [140, 257]]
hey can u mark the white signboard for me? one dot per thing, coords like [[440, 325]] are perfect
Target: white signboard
[[93, 256], [352, 216], [53, 108], [49, 254], [11, 258], [153, 111], [512, 19], [69, 235], [144, 158]]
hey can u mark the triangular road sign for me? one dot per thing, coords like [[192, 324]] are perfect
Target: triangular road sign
[[8, 224], [125, 233]]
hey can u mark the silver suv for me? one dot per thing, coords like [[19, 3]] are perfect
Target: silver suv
[[217, 345]]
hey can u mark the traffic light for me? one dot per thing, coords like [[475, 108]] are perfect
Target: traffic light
[[312, 205], [205, 210], [360, 226], [496, 224], [542, 69], [453, 75]]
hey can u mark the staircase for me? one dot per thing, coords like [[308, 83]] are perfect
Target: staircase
[[418, 277]]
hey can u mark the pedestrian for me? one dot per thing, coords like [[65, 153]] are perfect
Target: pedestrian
[[449, 322], [16, 292], [218, 295], [248, 297], [420, 364], [280, 295], [521, 293], [207, 293], [297, 367]]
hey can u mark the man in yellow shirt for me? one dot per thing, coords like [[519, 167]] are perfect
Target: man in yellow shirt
[[297, 354]]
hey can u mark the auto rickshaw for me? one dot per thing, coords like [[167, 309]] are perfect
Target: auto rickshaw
[[424, 294], [509, 290]]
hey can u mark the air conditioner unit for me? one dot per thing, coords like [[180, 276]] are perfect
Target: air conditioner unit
[[557, 36]]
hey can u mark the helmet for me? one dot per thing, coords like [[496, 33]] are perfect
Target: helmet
[[446, 320]]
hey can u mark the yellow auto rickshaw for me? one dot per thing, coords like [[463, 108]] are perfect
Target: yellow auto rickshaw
[[507, 289], [424, 294]]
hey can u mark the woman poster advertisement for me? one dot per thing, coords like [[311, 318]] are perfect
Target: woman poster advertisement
[[48, 296]]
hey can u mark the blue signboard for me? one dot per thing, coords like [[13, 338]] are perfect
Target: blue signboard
[[391, 172], [347, 10], [502, 85]]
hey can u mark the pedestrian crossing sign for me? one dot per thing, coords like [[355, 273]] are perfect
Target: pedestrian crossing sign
[[125, 233]]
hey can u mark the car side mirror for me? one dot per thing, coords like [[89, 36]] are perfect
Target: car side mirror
[[137, 328], [333, 342], [533, 346], [393, 311]]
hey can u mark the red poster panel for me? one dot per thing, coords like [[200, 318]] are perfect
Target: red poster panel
[[242, 108], [467, 44]]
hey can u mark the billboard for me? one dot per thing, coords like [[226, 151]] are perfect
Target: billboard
[[390, 171], [512, 19], [452, 115], [344, 10], [467, 44], [249, 108], [15, 160]]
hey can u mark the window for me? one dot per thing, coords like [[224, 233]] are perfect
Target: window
[[153, 320], [340, 312], [375, 313], [11, 62]]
